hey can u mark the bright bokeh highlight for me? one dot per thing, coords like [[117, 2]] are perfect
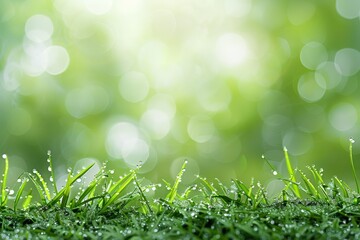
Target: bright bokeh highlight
[[153, 83]]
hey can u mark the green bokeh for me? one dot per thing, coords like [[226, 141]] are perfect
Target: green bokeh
[[219, 83]]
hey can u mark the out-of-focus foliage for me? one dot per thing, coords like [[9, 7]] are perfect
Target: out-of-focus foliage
[[154, 82]]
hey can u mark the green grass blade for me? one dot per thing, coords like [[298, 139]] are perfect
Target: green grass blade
[[90, 189], [70, 182], [352, 165], [4, 194], [316, 174], [147, 204], [117, 188], [243, 188], [260, 196], [52, 178], [291, 173], [274, 172], [43, 185], [38, 187], [20, 192], [67, 189], [28, 199], [311, 190], [87, 192], [341, 186], [172, 194], [208, 185]]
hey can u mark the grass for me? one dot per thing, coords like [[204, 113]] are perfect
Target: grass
[[125, 208]]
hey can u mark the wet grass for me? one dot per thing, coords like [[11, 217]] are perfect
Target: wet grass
[[110, 207]]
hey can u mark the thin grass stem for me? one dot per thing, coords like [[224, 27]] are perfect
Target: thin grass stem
[[3, 186], [352, 164], [291, 173]]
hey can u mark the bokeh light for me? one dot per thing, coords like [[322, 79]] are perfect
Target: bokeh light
[[156, 82], [124, 142], [39, 28], [343, 116], [347, 61]]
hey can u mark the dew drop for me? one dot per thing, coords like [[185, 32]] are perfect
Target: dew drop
[[4, 156], [69, 170], [78, 180], [51, 179], [19, 180], [34, 171], [49, 169], [275, 173], [111, 171], [263, 156], [11, 192], [351, 140]]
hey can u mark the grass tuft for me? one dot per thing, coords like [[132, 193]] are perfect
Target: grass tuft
[[108, 208]]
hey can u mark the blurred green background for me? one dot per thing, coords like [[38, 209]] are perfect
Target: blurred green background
[[153, 82]]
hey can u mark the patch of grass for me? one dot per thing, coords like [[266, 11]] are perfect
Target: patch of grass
[[125, 208]]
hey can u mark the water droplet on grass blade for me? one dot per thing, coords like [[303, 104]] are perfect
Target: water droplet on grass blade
[[351, 140], [4, 156], [49, 169], [275, 173]]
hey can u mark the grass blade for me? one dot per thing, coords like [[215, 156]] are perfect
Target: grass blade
[[19, 193], [90, 190], [291, 173], [352, 164], [44, 185], [208, 186], [52, 178], [338, 182], [311, 190], [38, 187], [243, 188], [4, 181], [117, 188], [28, 199], [172, 194], [143, 196], [71, 181], [67, 190]]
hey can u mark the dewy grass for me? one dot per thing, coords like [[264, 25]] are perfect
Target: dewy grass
[[352, 165], [4, 194], [125, 208]]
